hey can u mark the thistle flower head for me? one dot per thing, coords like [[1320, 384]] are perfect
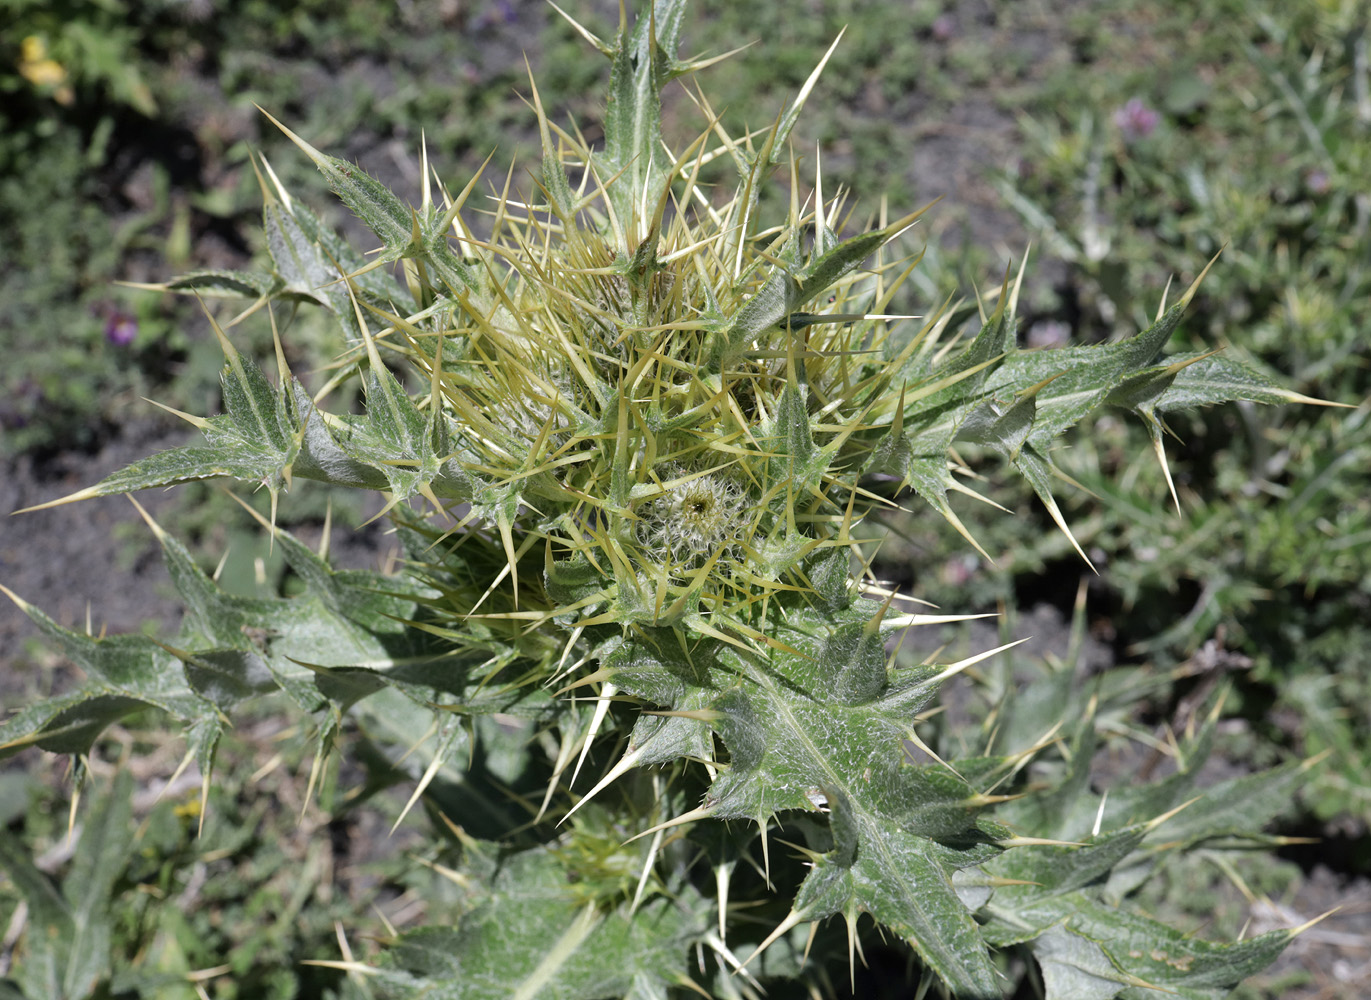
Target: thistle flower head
[[695, 517], [644, 375]]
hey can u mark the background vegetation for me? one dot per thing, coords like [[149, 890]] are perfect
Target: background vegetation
[[125, 131]]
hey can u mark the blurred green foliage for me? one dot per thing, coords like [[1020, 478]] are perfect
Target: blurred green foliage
[[1256, 142], [147, 898], [125, 131], [69, 72]]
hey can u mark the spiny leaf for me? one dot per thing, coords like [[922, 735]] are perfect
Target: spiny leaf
[[824, 724], [1217, 379], [784, 293], [370, 200], [1236, 807], [209, 283], [1053, 871], [641, 63], [68, 723], [929, 477], [322, 244], [1136, 950], [305, 271], [385, 215], [905, 882], [118, 666], [528, 938], [1038, 473], [342, 451]]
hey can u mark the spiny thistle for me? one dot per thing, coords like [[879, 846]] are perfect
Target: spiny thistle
[[651, 424]]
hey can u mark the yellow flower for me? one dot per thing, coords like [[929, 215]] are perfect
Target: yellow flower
[[43, 72], [33, 48]]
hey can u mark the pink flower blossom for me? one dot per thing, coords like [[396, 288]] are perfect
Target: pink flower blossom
[[1136, 120], [120, 328]]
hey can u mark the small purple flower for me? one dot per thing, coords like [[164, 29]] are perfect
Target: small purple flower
[[1136, 120], [943, 28], [1317, 182], [120, 328], [11, 419], [958, 570], [500, 12], [1049, 333], [23, 400]]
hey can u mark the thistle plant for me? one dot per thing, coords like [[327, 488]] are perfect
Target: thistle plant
[[636, 656]]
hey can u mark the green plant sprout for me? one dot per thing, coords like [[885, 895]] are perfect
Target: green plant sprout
[[649, 426]]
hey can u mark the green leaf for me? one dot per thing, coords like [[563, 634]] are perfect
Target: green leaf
[[300, 262], [903, 881], [1090, 374], [641, 64], [930, 477], [1057, 870], [306, 270], [67, 945], [1236, 807], [310, 644], [1070, 912], [1218, 379], [1142, 951], [408, 449], [245, 284], [125, 673], [370, 200], [1075, 968], [817, 720], [99, 861], [68, 723], [228, 677], [375, 285], [530, 938], [784, 293], [1000, 426], [402, 232], [1037, 471], [51, 928], [255, 439], [355, 452], [346, 636], [180, 465], [1059, 812], [796, 461], [949, 393]]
